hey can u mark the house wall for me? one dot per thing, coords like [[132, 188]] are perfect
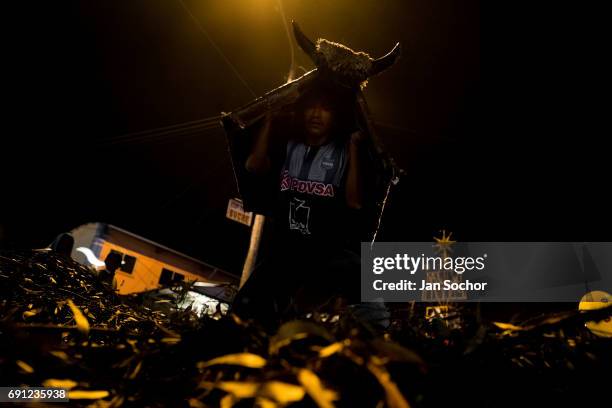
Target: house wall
[[146, 272]]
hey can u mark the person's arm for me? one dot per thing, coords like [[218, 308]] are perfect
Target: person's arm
[[353, 179], [258, 161]]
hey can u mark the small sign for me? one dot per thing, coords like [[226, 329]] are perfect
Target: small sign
[[235, 211], [443, 295]]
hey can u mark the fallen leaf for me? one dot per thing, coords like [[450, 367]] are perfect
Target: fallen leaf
[[79, 318], [30, 313], [60, 354], [57, 383], [242, 359], [507, 326], [282, 392], [262, 402], [171, 340], [227, 401], [395, 399], [196, 403], [312, 384], [395, 352], [238, 388], [331, 349], [297, 330], [81, 394], [25, 366], [116, 402], [136, 370]]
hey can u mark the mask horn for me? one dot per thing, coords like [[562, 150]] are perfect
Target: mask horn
[[384, 62], [304, 42]]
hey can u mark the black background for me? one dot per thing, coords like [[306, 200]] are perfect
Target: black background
[[493, 111]]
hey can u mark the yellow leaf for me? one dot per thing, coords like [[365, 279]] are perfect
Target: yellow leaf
[[282, 392], [395, 399], [276, 345], [261, 402], [132, 343], [237, 388], [60, 354], [297, 330], [390, 351], [80, 394], [116, 402], [196, 403], [25, 366], [236, 319], [79, 318], [507, 326], [228, 401], [379, 360], [313, 386], [331, 349], [136, 370], [57, 383], [241, 359], [30, 313], [171, 340]]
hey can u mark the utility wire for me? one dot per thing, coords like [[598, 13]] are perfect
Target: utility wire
[[210, 119], [154, 134], [216, 47], [162, 137], [158, 137], [291, 75]]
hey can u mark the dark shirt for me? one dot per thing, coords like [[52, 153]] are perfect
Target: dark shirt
[[312, 208]]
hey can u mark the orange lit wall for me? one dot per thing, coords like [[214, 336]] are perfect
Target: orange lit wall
[[146, 273]]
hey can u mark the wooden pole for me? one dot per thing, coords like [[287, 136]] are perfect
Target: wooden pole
[[251, 258]]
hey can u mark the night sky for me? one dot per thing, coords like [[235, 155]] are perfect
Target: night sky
[[506, 151]]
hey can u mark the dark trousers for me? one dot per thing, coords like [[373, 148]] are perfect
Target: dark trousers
[[292, 281]]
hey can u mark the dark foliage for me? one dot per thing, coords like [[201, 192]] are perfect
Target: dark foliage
[[61, 326]]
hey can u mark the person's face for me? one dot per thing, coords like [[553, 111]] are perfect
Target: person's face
[[318, 119]]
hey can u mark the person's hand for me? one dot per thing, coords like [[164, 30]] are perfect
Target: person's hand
[[270, 116], [357, 138]]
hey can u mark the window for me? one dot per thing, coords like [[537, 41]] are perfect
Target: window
[[116, 252], [113, 260], [166, 277], [128, 263]]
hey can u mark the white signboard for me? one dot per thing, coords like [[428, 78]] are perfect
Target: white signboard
[[235, 211]]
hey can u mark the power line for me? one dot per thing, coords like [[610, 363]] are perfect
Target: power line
[[160, 135], [192, 127], [169, 127], [216, 47], [288, 34]]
